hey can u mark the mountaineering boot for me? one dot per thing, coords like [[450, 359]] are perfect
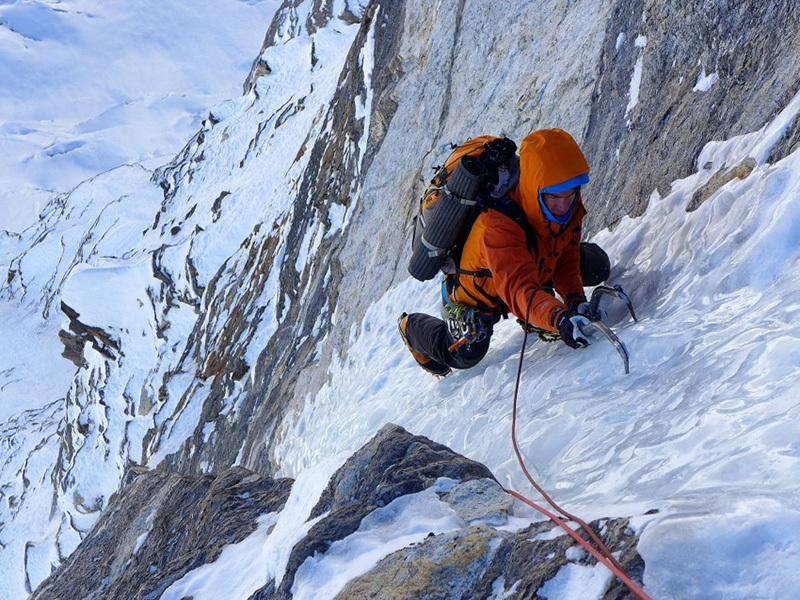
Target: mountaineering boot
[[429, 365]]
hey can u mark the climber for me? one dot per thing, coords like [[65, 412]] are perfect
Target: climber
[[516, 260]]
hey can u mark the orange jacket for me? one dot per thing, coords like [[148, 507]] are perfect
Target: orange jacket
[[548, 157]]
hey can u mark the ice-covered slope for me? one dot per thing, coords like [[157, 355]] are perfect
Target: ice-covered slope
[[262, 272]]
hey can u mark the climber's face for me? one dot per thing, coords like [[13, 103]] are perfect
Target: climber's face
[[560, 203]]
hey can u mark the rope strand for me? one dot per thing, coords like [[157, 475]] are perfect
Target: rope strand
[[603, 555]]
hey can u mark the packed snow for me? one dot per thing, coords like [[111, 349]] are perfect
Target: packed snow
[[702, 429], [636, 78], [704, 82], [88, 86]]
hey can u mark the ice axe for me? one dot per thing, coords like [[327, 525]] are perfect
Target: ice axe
[[596, 324], [593, 326], [615, 291]]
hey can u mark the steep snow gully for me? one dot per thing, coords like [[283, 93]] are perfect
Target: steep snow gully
[[207, 378]]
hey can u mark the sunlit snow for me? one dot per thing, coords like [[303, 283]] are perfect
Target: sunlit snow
[[636, 77], [88, 86], [704, 82]]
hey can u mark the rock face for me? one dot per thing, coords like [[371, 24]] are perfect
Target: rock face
[[392, 465], [333, 169], [162, 526], [707, 70]]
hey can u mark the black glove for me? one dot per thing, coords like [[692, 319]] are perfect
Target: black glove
[[569, 327]]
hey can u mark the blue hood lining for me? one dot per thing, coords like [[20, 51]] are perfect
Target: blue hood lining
[[582, 179], [576, 181]]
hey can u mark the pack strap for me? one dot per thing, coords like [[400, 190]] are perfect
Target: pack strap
[[505, 206], [478, 273], [452, 282]]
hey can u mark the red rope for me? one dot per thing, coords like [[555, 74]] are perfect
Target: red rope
[[604, 555], [635, 589]]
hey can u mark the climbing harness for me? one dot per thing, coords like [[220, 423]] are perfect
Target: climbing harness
[[466, 324], [601, 553]]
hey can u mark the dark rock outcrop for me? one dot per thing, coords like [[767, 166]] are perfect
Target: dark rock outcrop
[[160, 527], [393, 464], [79, 334], [469, 564], [464, 563]]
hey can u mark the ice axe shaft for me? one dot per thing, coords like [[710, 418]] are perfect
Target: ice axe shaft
[[611, 337]]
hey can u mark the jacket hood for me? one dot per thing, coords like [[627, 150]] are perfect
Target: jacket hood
[[549, 160]]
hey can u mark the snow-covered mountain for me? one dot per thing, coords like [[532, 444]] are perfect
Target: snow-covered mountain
[[87, 86], [237, 306]]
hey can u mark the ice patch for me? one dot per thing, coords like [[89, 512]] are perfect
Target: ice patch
[[704, 82]]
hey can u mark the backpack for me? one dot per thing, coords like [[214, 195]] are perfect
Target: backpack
[[467, 184]]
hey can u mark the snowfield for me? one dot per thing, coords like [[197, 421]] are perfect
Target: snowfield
[[88, 86]]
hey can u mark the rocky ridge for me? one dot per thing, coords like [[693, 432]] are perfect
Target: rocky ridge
[[164, 526]]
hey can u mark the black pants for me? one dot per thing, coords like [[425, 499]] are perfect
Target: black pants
[[431, 337]]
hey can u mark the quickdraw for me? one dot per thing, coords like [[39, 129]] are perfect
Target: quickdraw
[[465, 324]]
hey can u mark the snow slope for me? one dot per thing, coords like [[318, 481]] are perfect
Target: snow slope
[[68, 435], [88, 86]]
